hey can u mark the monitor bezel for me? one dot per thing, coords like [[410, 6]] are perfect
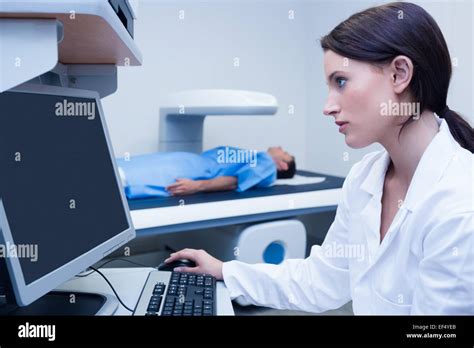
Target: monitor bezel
[[28, 293]]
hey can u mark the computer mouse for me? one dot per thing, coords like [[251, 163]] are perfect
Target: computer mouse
[[173, 264]]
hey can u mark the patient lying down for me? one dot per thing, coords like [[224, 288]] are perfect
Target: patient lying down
[[220, 169]]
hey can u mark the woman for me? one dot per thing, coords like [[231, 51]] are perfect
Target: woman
[[407, 208]]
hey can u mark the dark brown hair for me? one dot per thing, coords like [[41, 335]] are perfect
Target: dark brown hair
[[290, 172], [379, 34]]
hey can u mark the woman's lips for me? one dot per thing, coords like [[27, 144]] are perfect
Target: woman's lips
[[342, 125]]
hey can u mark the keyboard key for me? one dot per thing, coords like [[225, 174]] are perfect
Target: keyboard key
[[186, 294], [152, 308], [155, 301]]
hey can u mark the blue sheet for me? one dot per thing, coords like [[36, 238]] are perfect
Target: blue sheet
[[149, 175]]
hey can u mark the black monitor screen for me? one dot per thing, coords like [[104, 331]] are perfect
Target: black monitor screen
[[57, 179]]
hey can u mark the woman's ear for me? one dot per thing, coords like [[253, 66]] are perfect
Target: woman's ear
[[401, 72]]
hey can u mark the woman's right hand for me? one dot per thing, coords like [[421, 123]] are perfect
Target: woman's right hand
[[205, 263]]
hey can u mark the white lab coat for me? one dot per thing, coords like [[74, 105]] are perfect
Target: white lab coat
[[424, 265]]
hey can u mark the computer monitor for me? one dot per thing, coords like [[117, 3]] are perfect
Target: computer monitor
[[59, 188]]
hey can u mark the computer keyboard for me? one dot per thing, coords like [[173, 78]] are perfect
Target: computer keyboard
[[177, 294]]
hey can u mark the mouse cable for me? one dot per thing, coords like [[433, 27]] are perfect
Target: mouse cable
[[111, 286]]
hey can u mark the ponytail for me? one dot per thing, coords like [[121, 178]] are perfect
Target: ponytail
[[460, 129]]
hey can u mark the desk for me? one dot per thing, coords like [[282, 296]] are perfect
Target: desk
[[128, 282]]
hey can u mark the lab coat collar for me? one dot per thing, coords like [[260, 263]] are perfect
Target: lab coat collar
[[428, 172], [373, 183], [432, 165]]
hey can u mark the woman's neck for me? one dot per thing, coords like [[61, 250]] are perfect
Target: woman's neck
[[405, 153]]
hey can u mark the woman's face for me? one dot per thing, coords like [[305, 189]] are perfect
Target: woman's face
[[357, 91]]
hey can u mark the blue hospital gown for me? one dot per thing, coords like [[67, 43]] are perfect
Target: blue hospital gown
[[149, 175]]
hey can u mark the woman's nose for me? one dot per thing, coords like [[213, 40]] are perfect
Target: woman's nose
[[331, 108]]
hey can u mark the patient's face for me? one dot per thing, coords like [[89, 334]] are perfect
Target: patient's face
[[357, 91]]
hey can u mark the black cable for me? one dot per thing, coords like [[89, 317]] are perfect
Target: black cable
[[170, 249], [112, 260], [111, 286]]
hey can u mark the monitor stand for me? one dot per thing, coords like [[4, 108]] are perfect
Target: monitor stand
[[58, 303], [53, 303]]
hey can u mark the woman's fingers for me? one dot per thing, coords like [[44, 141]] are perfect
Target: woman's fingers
[[182, 254], [205, 263]]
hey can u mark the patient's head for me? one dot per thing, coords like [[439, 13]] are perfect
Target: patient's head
[[285, 163]]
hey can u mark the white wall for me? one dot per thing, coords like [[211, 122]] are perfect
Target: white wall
[[199, 52], [326, 149], [277, 55]]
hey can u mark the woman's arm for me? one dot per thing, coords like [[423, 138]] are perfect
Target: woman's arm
[[446, 271], [188, 186], [315, 284]]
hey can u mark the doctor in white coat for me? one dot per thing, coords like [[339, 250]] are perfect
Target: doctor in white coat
[[402, 239]]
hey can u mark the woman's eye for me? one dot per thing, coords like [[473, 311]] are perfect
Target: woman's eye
[[340, 81]]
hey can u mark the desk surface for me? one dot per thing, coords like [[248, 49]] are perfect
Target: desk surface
[[129, 282]]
